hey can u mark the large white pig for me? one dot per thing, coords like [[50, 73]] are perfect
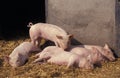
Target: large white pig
[[20, 54], [49, 32], [106, 51]]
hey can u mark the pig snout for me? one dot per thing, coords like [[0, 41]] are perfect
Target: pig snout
[[112, 58], [109, 55], [64, 42], [64, 47]]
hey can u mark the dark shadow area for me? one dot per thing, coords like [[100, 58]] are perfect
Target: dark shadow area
[[15, 15], [75, 42], [114, 53], [50, 43], [1, 62], [47, 43]]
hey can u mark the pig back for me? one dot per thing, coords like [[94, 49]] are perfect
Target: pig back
[[45, 29], [80, 51]]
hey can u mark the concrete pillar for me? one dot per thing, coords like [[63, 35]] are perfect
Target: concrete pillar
[[90, 21]]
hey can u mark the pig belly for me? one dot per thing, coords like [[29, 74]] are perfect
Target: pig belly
[[58, 61]]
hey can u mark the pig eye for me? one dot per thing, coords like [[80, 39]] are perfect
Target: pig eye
[[106, 51]]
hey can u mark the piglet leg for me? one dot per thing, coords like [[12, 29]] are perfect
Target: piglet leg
[[37, 60], [71, 62]]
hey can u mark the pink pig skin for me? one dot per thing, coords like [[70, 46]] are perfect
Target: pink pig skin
[[51, 49], [20, 54], [58, 56], [49, 32], [71, 59], [48, 52], [96, 56], [106, 51]]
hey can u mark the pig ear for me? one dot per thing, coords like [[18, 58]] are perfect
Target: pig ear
[[59, 37], [106, 46], [70, 36], [6, 59]]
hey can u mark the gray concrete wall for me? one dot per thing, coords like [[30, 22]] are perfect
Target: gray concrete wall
[[90, 21], [117, 26]]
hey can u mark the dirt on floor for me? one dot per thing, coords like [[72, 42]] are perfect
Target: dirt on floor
[[46, 70]]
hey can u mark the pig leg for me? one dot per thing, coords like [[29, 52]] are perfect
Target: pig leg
[[38, 41], [34, 41], [37, 55], [50, 61], [56, 43], [40, 62], [70, 62], [37, 60]]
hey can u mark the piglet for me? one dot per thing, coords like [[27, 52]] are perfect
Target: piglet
[[106, 51], [71, 59], [51, 49], [49, 32], [62, 57], [48, 52], [20, 54], [96, 56]]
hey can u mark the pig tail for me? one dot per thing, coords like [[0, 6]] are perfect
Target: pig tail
[[29, 24]]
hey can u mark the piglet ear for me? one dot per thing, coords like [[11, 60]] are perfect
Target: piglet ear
[[106, 46], [6, 59], [59, 37], [70, 36]]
